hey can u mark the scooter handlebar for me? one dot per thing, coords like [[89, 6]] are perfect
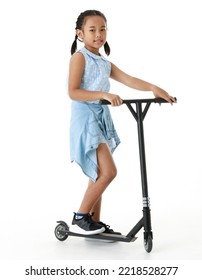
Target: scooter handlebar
[[129, 101]]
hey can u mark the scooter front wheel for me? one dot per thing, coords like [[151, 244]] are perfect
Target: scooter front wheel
[[148, 244], [61, 232]]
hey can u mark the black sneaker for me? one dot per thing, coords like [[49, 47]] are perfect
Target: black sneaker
[[108, 229], [86, 226]]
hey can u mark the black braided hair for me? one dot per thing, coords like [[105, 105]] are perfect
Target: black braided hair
[[80, 22]]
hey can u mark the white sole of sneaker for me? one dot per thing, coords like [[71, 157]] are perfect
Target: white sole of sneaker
[[77, 229]]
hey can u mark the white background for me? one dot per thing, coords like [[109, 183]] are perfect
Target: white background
[[158, 41]]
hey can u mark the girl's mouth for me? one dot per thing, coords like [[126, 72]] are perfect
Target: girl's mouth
[[98, 41]]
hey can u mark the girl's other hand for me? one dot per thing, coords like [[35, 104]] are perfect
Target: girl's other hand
[[114, 99], [160, 93]]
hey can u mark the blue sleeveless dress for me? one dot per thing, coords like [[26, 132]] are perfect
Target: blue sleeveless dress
[[91, 123]]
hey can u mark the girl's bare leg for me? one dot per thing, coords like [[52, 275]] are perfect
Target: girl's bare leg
[[106, 173], [97, 210], [96, 207]]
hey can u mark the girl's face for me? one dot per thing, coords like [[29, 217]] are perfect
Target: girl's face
[[93, 33]]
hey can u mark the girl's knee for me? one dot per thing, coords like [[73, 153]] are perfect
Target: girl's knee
[[113, 173], [107, 169], [110, 175]]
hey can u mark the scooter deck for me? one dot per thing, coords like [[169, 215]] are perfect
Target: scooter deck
[[105, 236]]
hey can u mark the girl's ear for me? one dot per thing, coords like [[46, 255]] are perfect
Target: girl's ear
[[79, 33]]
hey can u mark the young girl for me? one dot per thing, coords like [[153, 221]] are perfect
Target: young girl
[[93, 137]]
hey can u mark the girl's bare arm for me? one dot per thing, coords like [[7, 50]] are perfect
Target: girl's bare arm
[[139, 84]]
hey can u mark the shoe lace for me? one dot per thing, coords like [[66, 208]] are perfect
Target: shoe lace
[[101, 223], [105, 225]]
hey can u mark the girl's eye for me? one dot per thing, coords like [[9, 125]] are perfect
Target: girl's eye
[[102, 30]]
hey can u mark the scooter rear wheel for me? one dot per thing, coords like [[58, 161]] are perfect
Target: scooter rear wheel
[[61, 232]]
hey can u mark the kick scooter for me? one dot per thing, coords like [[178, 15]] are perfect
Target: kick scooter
[[62, 229]]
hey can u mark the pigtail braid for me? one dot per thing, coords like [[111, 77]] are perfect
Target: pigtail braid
[[74, 45], [107, 48]]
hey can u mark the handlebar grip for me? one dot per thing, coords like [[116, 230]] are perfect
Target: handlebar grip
[[129, 101]]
